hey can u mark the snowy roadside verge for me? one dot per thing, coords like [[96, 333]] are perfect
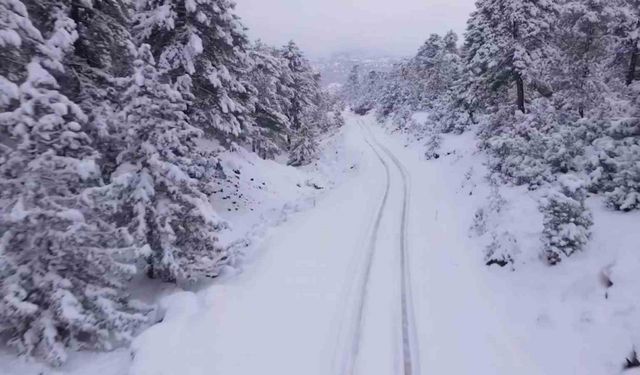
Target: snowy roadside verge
[[261, 194], [256, 196], [579, 317], [190, 316]]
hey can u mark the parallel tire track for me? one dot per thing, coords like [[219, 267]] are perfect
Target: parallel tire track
[[348, 366], [411, 362]]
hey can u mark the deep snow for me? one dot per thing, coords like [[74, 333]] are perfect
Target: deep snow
[[560, 320], [294, 310], [294, 307]]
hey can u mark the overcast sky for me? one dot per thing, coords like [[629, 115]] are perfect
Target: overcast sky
[[322, 27]]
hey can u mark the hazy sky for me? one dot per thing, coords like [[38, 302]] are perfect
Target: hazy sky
[[322, 27]]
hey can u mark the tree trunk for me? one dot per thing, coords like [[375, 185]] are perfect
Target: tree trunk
[[520, 88], [631, 72], [151, 271], [181, 14]]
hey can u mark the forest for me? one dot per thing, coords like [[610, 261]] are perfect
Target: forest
[[552, 90], [118, 119], [112, 115]]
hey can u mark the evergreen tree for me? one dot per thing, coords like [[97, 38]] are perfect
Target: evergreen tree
[[619, 164], [508, 42], [352, 89], [579, 72], [392, 94], [567, 221], [158, 189], [102, 172], [305, 106], [102, 53], [204, 40], [19, 40], [625, 195], [432, 71], [62, 267], [305, 86], [272, 78], [625, 26], [304, 149], [424, 72], [369, 91]]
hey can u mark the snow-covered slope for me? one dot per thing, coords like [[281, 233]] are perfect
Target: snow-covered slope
[[255, 196], [324, 294], [579, 317], [325, 291], [276, 317]]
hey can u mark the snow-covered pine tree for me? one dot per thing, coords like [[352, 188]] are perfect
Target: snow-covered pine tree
[[370, 91], [625, 196], [158, 187], [432, 76], [351, 90], [423, 70], [104, 38], [326, 115], [625, 26], [305, 86], [272, 78], [304, 149], [305, 105], [613, 130], [579, 70], [567, 221], [392, 94], [62, 267], [508, 42], [205, 40], [103, 52], [421, 83], [19, 40], [621, 165]]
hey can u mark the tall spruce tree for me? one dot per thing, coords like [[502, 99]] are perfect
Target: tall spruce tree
[[305, 85], [273, 80], [102, 53], [62, 266], [507, 43], [102, 167], [304, 104], [204, 40], [625, 26], [351, 88], [158, 188], [579, 70]]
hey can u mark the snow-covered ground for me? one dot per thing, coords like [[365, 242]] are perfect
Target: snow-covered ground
[[567, 319], [254, 196], [324, 291]]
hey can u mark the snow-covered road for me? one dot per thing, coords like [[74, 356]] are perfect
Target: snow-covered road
[[373, 280], [366, 350], [383, 276]]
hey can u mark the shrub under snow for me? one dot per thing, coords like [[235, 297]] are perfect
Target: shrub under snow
[[567, 221]]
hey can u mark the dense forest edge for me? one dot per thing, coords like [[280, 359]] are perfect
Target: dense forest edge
[[112, 116], [552, 91]]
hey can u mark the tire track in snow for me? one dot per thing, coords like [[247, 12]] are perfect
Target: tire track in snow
[[348, 366], [411, 362]]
